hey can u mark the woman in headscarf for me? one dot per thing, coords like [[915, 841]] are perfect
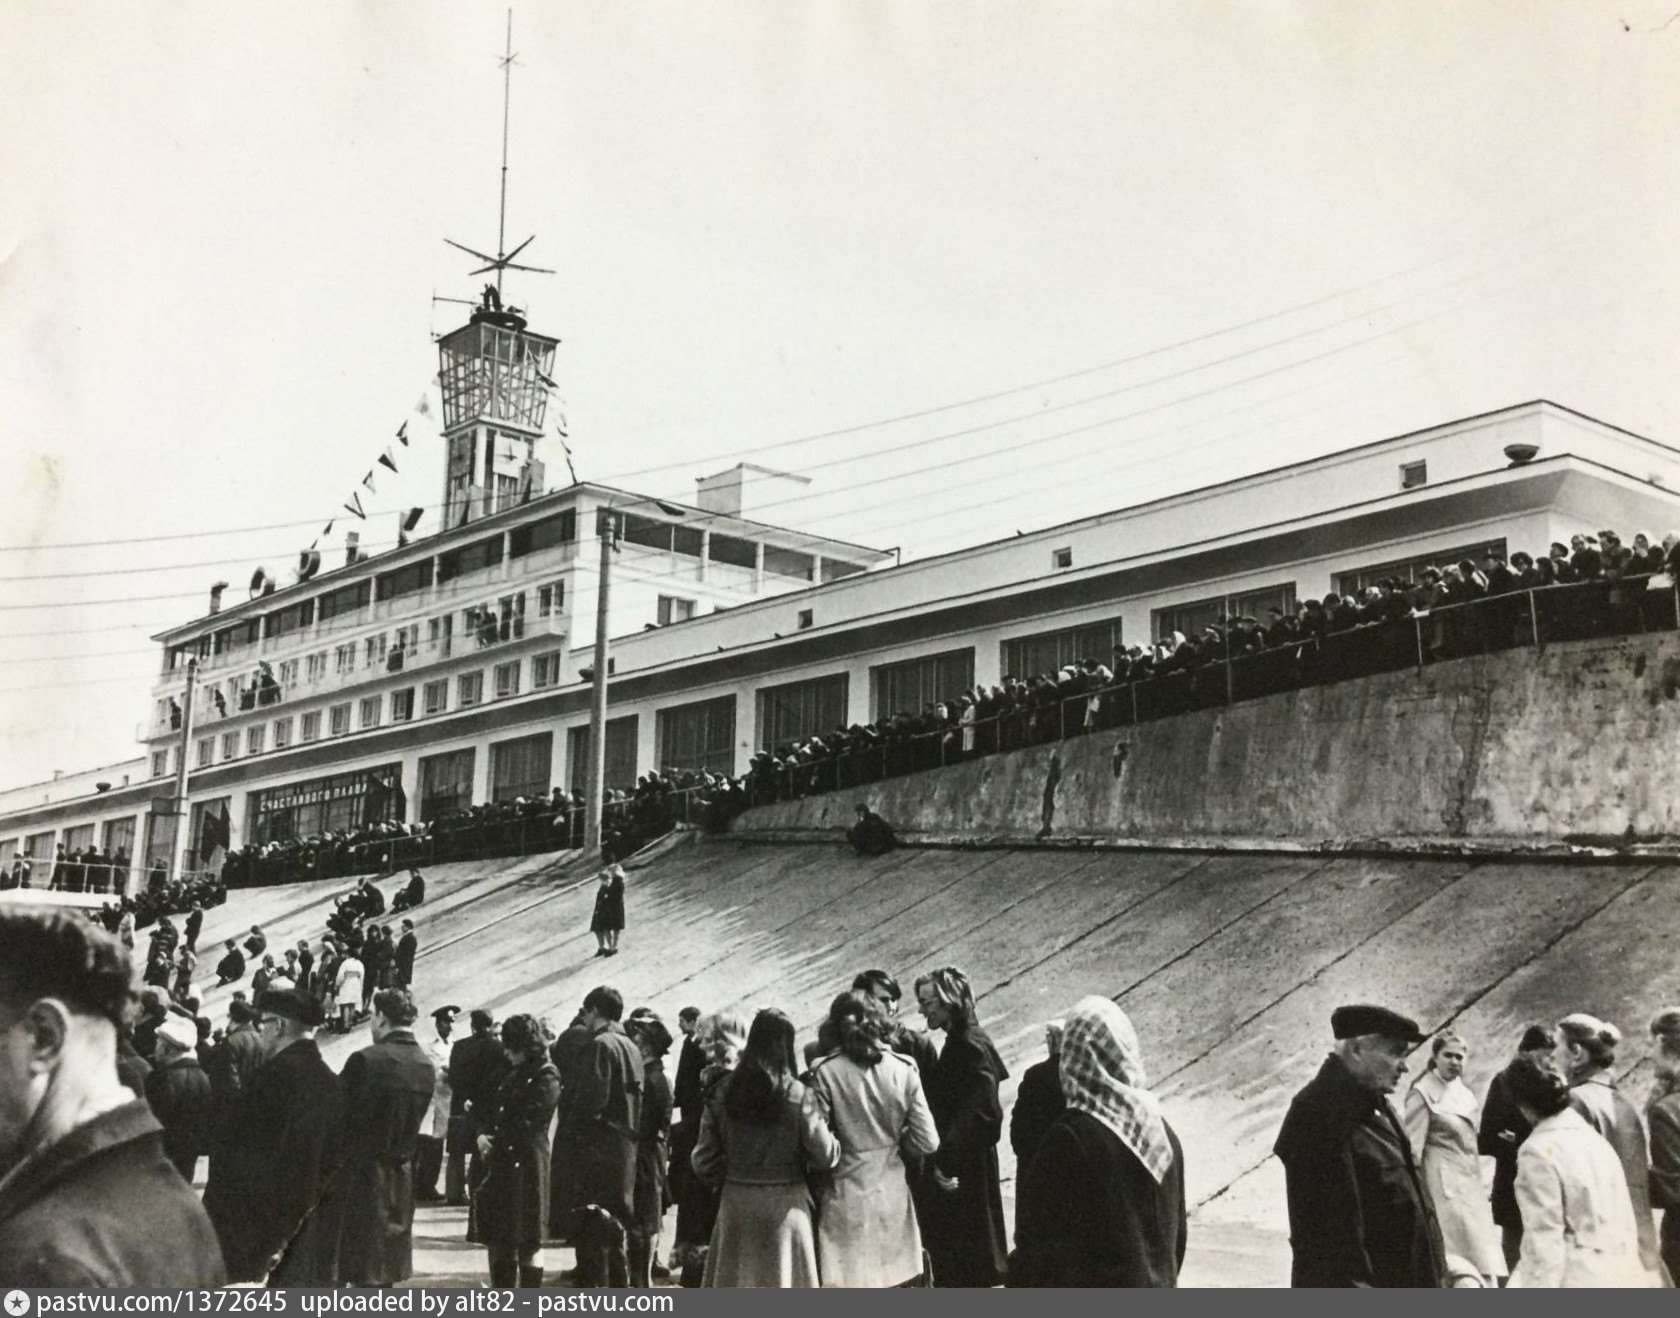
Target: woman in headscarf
[[1578, 1227], [871, 1098], [1587, 1048], [1103, 1202], [760, 1136], [1441, 1116], [961, 1203], [1664, 1116]]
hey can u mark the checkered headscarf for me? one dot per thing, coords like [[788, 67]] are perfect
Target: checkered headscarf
[[1102, 1074]]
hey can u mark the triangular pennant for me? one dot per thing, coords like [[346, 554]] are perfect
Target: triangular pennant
[[328, 530], [368, 481], [386, 459], [355, 507], [424, 406], [402, 434]]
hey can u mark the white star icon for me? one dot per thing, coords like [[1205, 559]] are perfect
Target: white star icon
[[17, 1304]]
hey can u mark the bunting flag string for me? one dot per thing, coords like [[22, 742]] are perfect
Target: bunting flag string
[[402, 435], [386, 460], [354, 507], [368, 481]]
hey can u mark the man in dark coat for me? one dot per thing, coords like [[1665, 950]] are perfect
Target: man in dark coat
[[1503, 1130], [231, 968], [387, 1094], [195, 923], [476, 1067], [1358, 1211], [595, 1144], [179, 1094], [88, 1197], [870, 835], [269, 1185], [686, 1092], [403, 962]]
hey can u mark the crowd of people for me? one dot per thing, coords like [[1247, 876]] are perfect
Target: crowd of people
[[867, 1157], [159, 900], [1595, 586], [88, 870]]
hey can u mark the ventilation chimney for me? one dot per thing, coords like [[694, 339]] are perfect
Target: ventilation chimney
[[216, 596]]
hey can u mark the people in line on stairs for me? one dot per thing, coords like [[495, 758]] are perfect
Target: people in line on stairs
[[1101, 1203], [1503, 1130], [1440, 1116]]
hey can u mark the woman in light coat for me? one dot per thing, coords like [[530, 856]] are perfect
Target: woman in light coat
[[1441, 1116], [351, 974], [1578, 1227], [1587, 1047], [871, 1098]]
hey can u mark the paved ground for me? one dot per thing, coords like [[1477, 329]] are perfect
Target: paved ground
[[1229, 965]]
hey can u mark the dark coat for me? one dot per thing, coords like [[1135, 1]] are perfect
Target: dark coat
[[179, 1094], [609, 907], [1088, 1213], [1502, 1132], [596, 1133], [652, 1192], [195, 922], [477, 1066], [1358, 1212], [103, 1207], [270, 1181], [963, 1228], [871, 835], [387, 1094], [407, 946], [512, 1202], [231, 967], [1038, 1102], [685, 1090], [132, 1068]]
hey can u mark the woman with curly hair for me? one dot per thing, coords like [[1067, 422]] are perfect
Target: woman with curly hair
[[720, 1036], [511, 1204]]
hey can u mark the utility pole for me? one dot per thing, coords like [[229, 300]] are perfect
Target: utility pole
[[606, 530], [176, 852]]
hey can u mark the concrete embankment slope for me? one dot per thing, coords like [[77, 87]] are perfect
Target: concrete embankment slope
[[1524, 750], [1229, 965]]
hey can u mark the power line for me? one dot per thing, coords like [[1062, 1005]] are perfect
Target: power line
[[1143, 355]]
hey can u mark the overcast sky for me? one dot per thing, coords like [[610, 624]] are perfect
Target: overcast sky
[[1092, 252]]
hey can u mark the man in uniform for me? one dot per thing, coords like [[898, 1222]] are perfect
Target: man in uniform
[[1358, 1212], [387, 1094], [269, 1182], [435, 1132], [87, 1194]]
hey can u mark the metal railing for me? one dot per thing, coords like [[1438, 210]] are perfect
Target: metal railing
[[1524, 619]]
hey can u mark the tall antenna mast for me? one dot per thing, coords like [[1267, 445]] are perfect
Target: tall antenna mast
[[503, 259]]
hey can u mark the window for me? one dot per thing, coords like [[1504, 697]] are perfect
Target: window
[[1410, 569], [338, 719], [288, 672], [230, 745], [406, 640], [344, 600], [912, 685], [551, 599], [282, 733], [737, 553], [797, 710], [806, 618], [1046, 652], [254, 738], [789, 563], [119, 835], [343, 801], [522, 767], [533, 537], [404, 581], [206, 751], [491, 624], [475, 557], [620, 758], [402, 705], [371, 708], [699, 736], [373, 651], [40, 845], [445, 783], [438, 634], [673, 608], [469, 689], [545, 670], [310, 729], [1198, 615], [315, 667], [507, 680], [344, 659], [1061, 558], [507, 492], [1414, 474], [434, 696]]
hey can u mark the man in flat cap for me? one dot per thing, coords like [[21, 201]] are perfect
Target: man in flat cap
[[267, 1193], [1358, 1213]]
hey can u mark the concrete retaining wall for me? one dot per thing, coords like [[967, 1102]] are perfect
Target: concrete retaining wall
[[1575, 746]]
